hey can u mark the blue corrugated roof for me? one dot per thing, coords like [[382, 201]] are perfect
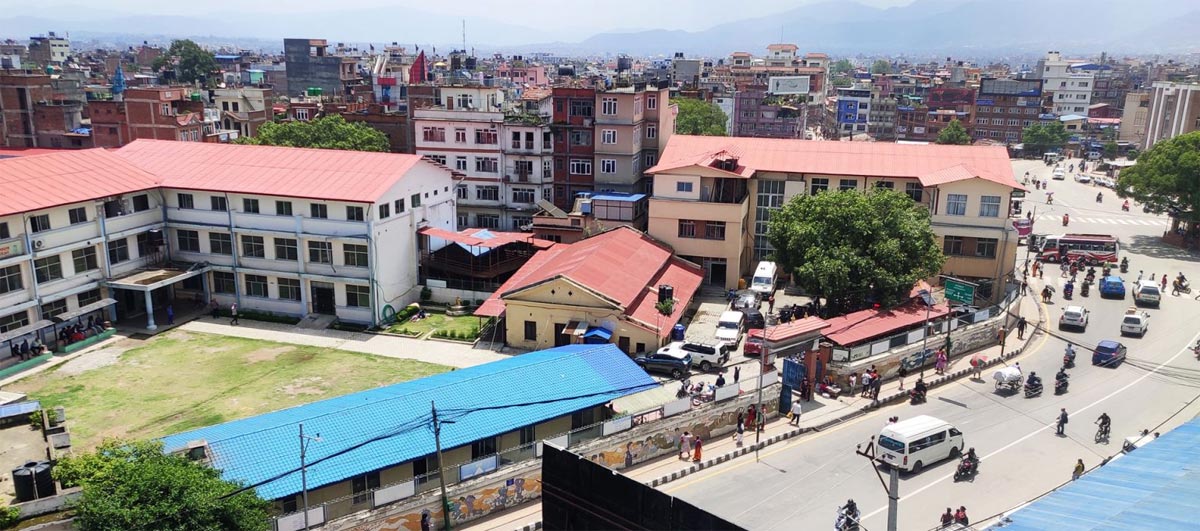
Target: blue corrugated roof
[[257, 448], [1155, 487], [618, 196]]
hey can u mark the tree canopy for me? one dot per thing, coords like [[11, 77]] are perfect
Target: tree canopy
[[954, 133], [855, 248], [1043, 137], [841, 66], [134, 486], [1166, 177], [881, 66], [188, 60], [329, 132], [697, 117]]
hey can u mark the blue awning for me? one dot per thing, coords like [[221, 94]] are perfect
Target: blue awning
[[597, 334]]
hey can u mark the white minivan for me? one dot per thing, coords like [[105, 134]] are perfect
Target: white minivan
[[913, 443], [764, 278], [730, 326]]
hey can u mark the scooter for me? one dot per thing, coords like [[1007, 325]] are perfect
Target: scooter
[[1069, 359], [1033, 390], [1068, 291], [1060, 386], [1125, 206], [916, 397], [1083, 291], [967, 468], [1124, 265]]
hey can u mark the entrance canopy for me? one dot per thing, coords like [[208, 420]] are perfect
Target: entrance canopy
[[24, 330], [83, 310], [152, 279]]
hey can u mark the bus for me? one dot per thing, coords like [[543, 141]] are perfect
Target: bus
[[1091, 248]]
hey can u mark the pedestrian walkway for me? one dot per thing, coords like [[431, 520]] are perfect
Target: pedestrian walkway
[[1129, 220], [441, 352]]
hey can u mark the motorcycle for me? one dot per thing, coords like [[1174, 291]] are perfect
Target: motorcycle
[[1033, 390], [1083, 291], [1069, 359], [1124, 265], [684, 388], [847, 517], [1066, 220], [1060, 386], [967, 468], [1068, 290], [1099, 198], [1125, 206], [1178, 287], [916, 397]]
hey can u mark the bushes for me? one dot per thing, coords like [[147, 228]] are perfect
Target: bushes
[[453, 335], [9, 516]]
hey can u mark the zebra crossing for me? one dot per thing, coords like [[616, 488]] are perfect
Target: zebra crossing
[[1145, 222]]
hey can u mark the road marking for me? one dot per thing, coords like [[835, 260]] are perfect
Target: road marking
[[1186, 348]]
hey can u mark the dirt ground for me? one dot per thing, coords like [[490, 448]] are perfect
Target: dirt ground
[[22, 444]]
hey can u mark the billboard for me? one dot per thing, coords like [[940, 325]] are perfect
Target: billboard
[[786, 85]]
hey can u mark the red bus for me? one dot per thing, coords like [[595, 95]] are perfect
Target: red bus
[[1091, 248]]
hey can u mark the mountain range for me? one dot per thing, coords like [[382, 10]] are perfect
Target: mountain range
[[951, 27]]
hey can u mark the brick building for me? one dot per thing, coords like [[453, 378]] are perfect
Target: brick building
[[572, 122], [159, 113], [1005, 107], [39, 111]]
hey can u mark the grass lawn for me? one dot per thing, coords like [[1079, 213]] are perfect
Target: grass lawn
[[183, 380], [438, 321]]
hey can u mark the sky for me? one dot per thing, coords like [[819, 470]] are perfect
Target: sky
[[588, 16]]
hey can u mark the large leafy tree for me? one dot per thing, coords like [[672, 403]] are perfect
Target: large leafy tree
[[134, 486], [1166, 177], [1044, 137], [697, 117], [881, 66], [954, 133], [330, 132], [841, 66], [855, 248], [190, 62]]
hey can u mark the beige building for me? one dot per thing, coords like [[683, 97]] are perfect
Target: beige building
[[632, 125], [713, 197], [1134, 118], [1174, 110]]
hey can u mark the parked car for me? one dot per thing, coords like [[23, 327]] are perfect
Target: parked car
[[1082, 178], [730, 326], [1109, 353], [705, 355], [1112, 286], [677, 364], [754, 319], [1135, 323], [747, 300], [1074, 317], [754, 343], [1104, 181]]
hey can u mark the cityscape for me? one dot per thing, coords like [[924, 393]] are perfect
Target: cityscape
[[674, 265]]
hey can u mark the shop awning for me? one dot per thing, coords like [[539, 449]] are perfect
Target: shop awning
[[24, 330], [84, 310]]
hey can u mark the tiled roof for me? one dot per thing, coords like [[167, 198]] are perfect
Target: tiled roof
[[859, 326], [547, 384], [871, 159], [792, 329], [35, 182], [325, 174]]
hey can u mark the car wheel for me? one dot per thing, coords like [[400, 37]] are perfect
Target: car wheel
[[954, 452], [676, 374], [705, 366], [916, 469]]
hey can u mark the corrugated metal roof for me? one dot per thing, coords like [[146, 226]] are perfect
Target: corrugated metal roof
[[865, 324], [35, 182], [560, 380], [1155, 487]]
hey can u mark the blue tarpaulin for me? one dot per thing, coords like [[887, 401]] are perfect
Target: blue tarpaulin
[[597, 334]]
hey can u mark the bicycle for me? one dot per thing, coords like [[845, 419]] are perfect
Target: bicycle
[[1102, 433]]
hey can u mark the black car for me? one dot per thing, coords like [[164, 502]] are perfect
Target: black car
[[754, 319], [665, 362]]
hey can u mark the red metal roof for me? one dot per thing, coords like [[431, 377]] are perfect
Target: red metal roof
[[790, 330], [862, 325], [485, 238], [870, 159], [43, 181], [326, 174], [6, 152]]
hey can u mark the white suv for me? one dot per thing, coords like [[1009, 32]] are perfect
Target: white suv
[[1135, 323], [705, 355], [1074, 317]]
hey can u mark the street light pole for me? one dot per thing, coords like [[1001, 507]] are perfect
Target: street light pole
[[304, 440]]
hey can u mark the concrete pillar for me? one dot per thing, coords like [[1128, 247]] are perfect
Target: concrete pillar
[[150, 312], [207, 291]]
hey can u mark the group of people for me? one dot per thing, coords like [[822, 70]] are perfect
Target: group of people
[[951, 517], [690, 446], [66, 335], [871, 381]]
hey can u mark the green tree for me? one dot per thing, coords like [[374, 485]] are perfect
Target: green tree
[[881, 66], [190, 62], [1132, 154], [330, 132], [134, 486], [954, 133], [841, 66], [1166, 178], [1044, 137], [855, 247], [1111, 149], [697, 117]]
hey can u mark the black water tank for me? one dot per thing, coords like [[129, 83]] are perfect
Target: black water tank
[[23, 482], [665, 293], [43, 479]]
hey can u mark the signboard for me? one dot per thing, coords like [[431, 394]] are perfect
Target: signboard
[[786, 85], [791, 373], [478, 468], [10, 248], [295, 521], [959, 291], [617, 425], [395, 492]]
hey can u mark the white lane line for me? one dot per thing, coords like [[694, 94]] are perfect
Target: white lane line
[[1186, 348]]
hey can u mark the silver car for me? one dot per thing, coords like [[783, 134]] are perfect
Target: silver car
[[1074, 317]]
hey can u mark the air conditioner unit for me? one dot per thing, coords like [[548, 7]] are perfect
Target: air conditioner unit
[[38, 244]]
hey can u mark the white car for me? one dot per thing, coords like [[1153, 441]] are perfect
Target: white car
[[1074, 317], [1105, 182], [1059, 174], [1082, 178], [1135, 323]]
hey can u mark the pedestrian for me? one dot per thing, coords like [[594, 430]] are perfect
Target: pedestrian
[[1079, 469], [976, 367], [741, 429], [750, 414], [720, 380], [948, 517], [795, 414], [1021, 323], [853, 380], [876, 386], [233, 312], [960, 516], [866, 384], [215, 307], [1140, 275], [685, 445], [1062, 422], [170, 315], [699, 443], [1024, 287], [1164, 282], [940, 365], [900, 374], [771, 303], [1041, 272], [737, 372], [806, 390]]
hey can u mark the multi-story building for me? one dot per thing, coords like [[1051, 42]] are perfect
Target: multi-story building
[[781, 61], [573, 123], [1005, 107], [281, 230], [1135, 117], [1174, 110], [631, 123], [1069, 88], [243, 109], [758, 113], [311, 65], [713, 197], [854, 109], [38, 110], [528, 157], [881, 115], [49, 49], [151, 112]]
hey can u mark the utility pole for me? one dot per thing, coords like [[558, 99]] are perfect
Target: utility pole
[[928, 300], [892, 489], [304, 440], [437, 441]]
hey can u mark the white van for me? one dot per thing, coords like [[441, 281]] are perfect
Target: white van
[[911, 444], [764, 278], [1147, 293], [730, 327]]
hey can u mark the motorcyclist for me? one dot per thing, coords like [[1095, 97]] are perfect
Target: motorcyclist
[[1061, 376], [1125, 205], [1182, 280], [1034, 380], [1070, 352], [920, 389], [1066, 219]]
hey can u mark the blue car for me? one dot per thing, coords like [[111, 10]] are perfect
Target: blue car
[[1112, 286], [1109, 353]]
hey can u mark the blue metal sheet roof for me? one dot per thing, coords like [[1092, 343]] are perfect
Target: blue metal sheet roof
[[560, 380], [1155, 487]]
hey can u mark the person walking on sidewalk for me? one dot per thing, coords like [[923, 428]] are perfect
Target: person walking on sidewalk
[[1062, 422], [876, 386], [699, 443], [233, 312], [940, 365], [866, 384], [750, 416], [737, 372], [685, 445], [796, 412], [1078, 471], [900, 374], [853, 380], [1021, 323], [806, 390], [976, 367], [741, 429]]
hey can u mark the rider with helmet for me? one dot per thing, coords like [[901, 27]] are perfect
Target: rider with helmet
[[1034, 380]]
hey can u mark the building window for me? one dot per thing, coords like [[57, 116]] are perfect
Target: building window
[[483, 447], [224, 282], [358, 296], [250, 206], [651, 102], [487, 193], [652, 131], [956, 205], [460, 135], [581, 138], [219, 204], [989, 206], [986, 247], [530, 330], [286, 249], [12, 322], [40, 223], [164, 109], [887, 185], [253, 247], [488, 221], [687, 228], [50, 309], [320, 252], [85, 259], [363, 485], [399, 206], [520, 222], [952, 246], [318, 211], [487, 165], [4, 235], [186, 201], [440, 159], [88, 297], [355, 255], [819, 185], [50, 268], [433, 134], [608, 166], [10, 279], [581, 167], [848, 184], [608, 136], [256, 286], [914, 190], [385, 211], [189, 240], [650, 159], [218, 243], [714, 230], [355, 213], [415, 199], [524, 195], [289, 289], [582, 108], [486, 136], [608, 106], [78, 215], [283, 208], [460, 191]]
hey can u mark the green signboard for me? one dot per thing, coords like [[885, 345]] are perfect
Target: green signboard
[[959, 291]]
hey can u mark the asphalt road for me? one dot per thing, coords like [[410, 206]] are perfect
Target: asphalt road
[[799, 484]]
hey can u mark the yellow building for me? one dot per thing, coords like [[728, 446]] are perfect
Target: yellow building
[[713, 196]]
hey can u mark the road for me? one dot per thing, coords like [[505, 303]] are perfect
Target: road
[[799, 484]]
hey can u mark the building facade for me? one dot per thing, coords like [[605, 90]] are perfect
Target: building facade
[[1174, 110], [573, 125], [311, 65], [1135, 117], [1005, 107], [37, 110], [153, 112], [1069, 88]]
